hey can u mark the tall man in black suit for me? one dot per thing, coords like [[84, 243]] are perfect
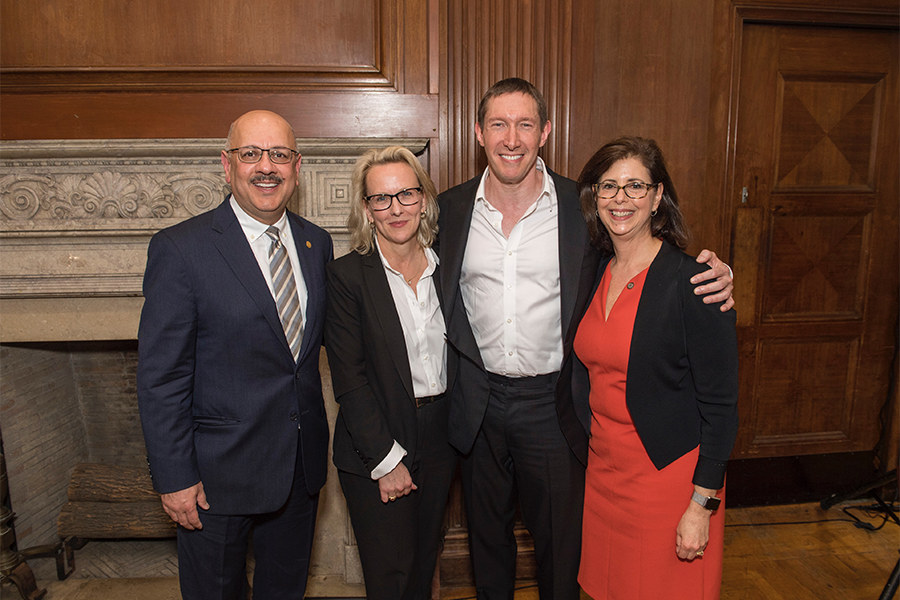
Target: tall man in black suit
[[228, 374], [517, 272]]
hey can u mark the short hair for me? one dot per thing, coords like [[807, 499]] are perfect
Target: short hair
[[668, 223], [362, 235], [513, 85]]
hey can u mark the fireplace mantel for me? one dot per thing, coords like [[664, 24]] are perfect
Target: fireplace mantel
[[76, 217]]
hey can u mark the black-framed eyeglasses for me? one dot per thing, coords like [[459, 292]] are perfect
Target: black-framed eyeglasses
[[633, 189], [251, 154], [406, 197]]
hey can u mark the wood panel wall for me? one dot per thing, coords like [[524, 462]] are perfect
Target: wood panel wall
[[488, 41], [172, 68]]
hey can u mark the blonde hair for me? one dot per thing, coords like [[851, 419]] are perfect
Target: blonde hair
[[362, 235]]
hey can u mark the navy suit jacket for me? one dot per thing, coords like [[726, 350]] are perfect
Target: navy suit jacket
[[220, 395], [577, 269]]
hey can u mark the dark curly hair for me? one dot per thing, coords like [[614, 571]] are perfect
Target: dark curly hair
[[668, 223]]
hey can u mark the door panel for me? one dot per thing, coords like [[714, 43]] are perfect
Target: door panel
[[816, 236]]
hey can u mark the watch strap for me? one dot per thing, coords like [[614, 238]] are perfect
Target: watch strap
[[710, 503]]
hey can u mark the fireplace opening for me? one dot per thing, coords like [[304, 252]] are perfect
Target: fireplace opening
[[64, 403]]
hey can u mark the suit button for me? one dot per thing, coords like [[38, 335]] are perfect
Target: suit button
[[297, 375], [294, 416]]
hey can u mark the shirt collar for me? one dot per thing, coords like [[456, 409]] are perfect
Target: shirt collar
[[429, 255], [253, 229], [546, 187]]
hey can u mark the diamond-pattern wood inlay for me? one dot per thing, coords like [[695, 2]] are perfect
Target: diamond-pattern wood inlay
[[826, 134], [815, 266]]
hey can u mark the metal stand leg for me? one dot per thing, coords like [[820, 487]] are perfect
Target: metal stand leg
[[893, 582]]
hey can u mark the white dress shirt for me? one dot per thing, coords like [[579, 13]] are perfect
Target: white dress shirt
[[260, 243], [510, 286], [425, 336]]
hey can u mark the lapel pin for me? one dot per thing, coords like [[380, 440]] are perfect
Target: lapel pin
[[308, 245]]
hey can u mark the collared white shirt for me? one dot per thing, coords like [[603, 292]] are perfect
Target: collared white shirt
[[510, 286], [260, 243], [425, 336]]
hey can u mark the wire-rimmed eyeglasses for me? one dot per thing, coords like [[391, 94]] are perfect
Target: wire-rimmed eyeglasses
[[406, 197], [633, 189], [251, 154]]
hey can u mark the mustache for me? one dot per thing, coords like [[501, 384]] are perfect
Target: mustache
[[272, 177]]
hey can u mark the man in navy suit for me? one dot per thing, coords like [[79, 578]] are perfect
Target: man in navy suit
[[228, 376]]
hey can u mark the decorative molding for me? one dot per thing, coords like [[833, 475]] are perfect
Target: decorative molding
[[76, 216]]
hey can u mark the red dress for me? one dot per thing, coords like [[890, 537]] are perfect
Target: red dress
[[631, 510]]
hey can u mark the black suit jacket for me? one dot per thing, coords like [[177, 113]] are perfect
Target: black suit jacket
[[219, 393], [682, 381], [577, 270], [369, 365]]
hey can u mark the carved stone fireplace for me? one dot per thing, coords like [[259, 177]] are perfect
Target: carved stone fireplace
[[75, 221]]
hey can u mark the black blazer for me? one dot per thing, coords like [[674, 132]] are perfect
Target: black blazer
[[577, 270], [682, 382], [219, 393], [369, 365]]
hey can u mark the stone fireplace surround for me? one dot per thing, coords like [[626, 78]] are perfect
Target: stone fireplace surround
[[75, 220]]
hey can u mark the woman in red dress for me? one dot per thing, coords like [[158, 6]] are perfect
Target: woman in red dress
[[663, 369]]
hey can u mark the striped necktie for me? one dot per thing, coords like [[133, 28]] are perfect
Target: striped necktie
[[285, 292]]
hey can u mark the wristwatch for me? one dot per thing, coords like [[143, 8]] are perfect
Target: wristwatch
[[710, 503]]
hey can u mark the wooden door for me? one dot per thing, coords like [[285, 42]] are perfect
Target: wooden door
[[815, 236]]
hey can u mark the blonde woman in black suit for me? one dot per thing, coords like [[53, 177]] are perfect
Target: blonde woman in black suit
[[385, 338]]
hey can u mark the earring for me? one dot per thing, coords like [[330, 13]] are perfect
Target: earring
[[424, 212], [597, 212], [653, 213], [372, 225]]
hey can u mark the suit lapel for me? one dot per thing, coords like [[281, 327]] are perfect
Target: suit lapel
[[312, 278], [456, 218], [388, 318], [571, 246], [236, 251]]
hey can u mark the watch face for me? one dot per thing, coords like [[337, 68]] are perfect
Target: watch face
[[713, 503]]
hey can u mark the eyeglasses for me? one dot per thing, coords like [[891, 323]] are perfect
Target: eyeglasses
[[633, 189], [252, 154], [406, 197]]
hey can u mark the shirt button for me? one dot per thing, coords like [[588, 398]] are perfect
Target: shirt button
[[433, 384], [510, 353], [426, 357], [422, 304], [509, 320]]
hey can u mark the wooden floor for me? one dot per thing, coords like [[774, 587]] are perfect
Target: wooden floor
[[797, 552], [822, 557]]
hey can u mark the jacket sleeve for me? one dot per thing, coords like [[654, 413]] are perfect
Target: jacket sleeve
[[345, 343], [711, 344], [165, 375]]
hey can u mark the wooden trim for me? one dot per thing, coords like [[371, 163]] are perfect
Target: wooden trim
[[203, 115]]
